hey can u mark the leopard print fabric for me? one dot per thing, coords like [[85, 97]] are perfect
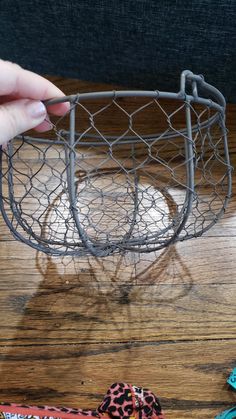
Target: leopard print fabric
[[125, 401], [122, 401]]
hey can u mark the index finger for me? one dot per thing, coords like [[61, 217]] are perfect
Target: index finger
[[17, 82]]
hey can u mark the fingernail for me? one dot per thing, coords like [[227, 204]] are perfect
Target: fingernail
[[36, 109]]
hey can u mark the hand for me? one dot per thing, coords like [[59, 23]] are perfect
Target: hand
[[21, 96]]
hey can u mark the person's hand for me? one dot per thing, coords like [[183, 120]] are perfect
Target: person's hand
[[21, 96]]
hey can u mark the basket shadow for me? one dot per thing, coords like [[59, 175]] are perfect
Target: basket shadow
[[85, 309]]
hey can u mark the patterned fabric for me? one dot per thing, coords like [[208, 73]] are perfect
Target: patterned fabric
[[122, 401], [232, 379], [227, 414], [135, 43]]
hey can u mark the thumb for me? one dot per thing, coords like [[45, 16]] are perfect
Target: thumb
[[19, 116]]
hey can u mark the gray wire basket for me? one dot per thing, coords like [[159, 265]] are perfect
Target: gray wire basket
[[121, 171]]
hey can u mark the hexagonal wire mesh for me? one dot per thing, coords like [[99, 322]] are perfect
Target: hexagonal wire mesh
[[137, 171]]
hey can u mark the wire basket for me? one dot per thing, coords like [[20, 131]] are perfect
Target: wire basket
[[121, 171]]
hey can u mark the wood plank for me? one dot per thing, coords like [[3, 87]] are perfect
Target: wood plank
[[111, 313], [185, 263], [225, 227]]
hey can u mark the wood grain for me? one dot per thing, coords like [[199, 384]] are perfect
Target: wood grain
[[70, 327]]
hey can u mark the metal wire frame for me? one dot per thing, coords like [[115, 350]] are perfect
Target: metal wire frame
[[147, 241]]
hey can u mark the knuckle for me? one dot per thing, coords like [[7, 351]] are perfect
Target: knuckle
[[14, 65]]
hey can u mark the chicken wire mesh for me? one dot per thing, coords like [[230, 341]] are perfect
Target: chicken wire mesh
[[121, 171]]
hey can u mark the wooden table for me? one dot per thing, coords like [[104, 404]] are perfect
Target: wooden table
[[69, 328]]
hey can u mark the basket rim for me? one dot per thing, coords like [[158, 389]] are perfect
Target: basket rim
[[152, 94]]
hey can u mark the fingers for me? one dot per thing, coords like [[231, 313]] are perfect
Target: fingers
[[17, 82], [19, 116], [59, 109], [44, 126]]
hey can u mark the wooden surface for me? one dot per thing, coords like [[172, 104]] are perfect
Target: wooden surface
[[71, 327]]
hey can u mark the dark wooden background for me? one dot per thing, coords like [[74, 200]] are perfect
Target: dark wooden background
[[69, 328]]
